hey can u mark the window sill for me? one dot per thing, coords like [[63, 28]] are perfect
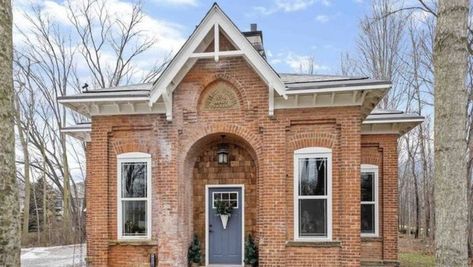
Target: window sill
[[371, 239], [132, 242], [315, 244]]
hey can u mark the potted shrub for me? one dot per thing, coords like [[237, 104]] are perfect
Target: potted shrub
[[224, 210], [193, 253], [251, 252]]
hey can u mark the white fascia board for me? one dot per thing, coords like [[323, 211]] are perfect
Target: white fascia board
[[388, 121], [76, 130], [216, 17], [338, 89], [80, 133], [90, 100]]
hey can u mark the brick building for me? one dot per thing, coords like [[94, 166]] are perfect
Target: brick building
[[306, 163]]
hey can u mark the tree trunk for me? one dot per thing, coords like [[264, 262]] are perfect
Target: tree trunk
[[67, 215], [416, 191], [450, 189], [9, 208], [38, 227], [45, 204], [26, 159]]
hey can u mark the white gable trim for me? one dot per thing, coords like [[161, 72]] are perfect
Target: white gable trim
[[185, 58]]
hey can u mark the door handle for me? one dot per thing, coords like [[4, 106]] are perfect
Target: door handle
[[210, 231], [210, 225]]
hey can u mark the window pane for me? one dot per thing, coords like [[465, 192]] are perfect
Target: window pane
[[231, 198], [134, 179], [367, 186], [134, 218], [312, 217], [367, 218], [312, 176]]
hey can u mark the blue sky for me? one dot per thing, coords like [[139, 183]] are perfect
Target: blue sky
[[292, 29]]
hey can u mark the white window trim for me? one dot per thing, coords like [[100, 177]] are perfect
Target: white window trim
[[374, 169], [313, 152], [134, 157]]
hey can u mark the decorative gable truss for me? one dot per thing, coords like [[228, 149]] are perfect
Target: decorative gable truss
[[214, 24]]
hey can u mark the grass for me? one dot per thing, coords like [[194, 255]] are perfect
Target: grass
[[416, 259]]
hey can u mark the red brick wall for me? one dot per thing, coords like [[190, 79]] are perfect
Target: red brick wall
[[313, 256], [381, 150], [176, 146]]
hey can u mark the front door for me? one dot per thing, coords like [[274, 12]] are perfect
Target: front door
[[225, 245]]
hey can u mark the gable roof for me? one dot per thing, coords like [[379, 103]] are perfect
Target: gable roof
[[183, 61], [293, 90]]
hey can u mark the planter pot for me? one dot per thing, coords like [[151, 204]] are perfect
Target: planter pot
[[224, 219], [195, 264]]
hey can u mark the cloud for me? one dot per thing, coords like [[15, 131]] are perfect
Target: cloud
[[289, 6], [293, 5], [177, 2], [296, 62], [322, 18]]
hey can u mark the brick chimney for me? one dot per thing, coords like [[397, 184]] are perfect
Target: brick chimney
[[255, 37]]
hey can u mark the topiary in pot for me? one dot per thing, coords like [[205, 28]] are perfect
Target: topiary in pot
[[193, 253], [251, 252]]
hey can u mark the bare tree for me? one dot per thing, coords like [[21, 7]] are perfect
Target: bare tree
[[109, 46], [9, 208], [379, 49], [99, 32], [450, 60]]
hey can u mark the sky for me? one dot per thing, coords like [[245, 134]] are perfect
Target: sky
[[293, 30]]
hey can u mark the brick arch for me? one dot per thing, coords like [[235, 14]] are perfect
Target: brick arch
[[372, 154], [240, 88], [302, 140], [192, 143], [197, 137], [120, 147]]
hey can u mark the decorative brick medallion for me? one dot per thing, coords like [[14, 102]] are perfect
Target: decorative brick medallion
[[221, 97]]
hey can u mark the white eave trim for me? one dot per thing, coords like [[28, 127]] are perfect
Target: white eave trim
[[80, 132], [370, 121], [396, 126], [107, 106], [338, 89], [76, 130], [92, 100]]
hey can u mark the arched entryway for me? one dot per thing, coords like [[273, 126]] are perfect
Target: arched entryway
[[233, 182]]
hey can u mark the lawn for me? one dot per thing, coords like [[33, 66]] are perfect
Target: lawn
[[415, 252], [416, 259]]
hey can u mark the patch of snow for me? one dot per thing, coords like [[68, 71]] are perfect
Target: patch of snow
[[60, 256]]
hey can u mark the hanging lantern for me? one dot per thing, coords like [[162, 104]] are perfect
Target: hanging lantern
[[222, 152]]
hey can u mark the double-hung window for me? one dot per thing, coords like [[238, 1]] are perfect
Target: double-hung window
[[313, 194], [369, 200], [134, 195]]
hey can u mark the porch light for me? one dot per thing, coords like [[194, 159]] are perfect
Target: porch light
[[222, 152]]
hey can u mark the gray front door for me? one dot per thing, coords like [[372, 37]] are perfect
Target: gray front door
[[225, 245]]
